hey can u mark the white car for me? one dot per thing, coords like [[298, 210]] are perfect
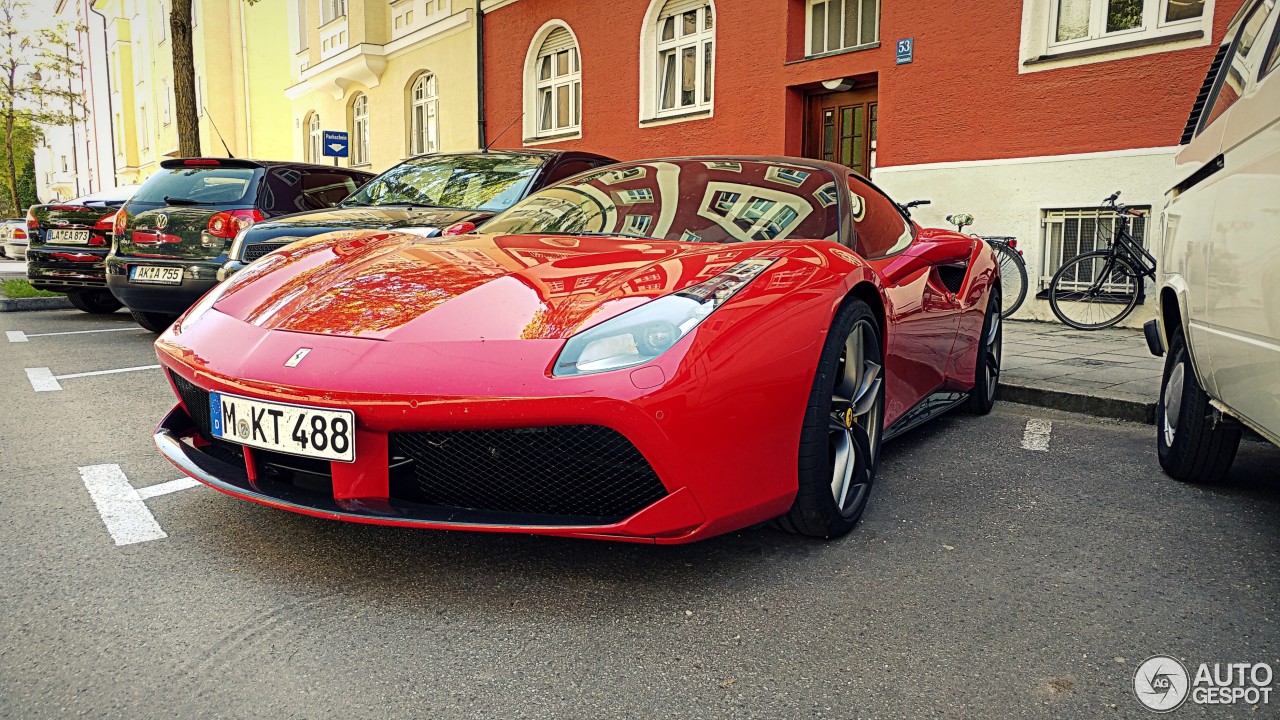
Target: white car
[[1219, 271], [13, 238]]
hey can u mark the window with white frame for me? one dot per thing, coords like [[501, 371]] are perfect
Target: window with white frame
[[685, 56], [1068, 233], [331, 10], [315, 138], [166, 102], [558, 84], [303, 40], [424, 109], [360, 130], [841, 24], [144, 129], [1084, 24]]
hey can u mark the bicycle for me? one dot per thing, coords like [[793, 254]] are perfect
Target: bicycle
[[1013, 269], [1098, 289]]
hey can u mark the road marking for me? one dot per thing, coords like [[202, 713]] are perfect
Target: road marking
[[1036, 436], [125, 515], [20, 336], [43, 380], [165, 488], [121, 505]]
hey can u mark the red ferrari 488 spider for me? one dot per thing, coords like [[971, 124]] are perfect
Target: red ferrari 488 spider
[[657, 351]]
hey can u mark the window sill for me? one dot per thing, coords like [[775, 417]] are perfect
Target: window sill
[[558, 137], [676, 117], [836, 53], [1116, 47]]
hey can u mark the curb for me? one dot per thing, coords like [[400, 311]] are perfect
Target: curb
[[1109, 407], [37, 303]]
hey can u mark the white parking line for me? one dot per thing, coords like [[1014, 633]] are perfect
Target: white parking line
[[1036, 436], [20, 336], [121, 506], [165, 488], [43, 380]]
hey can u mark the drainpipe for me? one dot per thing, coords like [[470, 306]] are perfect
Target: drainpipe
[[244, 75], [480, 110], [111, 113]]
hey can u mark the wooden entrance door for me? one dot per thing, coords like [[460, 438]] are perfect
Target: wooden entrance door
[[841, 128]]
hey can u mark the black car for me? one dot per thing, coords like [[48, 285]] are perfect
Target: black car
[[428, 192], [172, 236], [69, 245]]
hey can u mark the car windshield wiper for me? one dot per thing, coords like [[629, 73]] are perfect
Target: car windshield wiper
[[184, 201]]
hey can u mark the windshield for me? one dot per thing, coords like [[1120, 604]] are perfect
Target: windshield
[[469, 182], [692, 200], [200, 186]]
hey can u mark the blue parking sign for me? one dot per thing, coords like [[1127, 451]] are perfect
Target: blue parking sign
[[906, 50], [335, 143]]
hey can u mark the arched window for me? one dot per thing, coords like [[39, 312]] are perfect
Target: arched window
[[424, 130], [553, 83], [314, 138], [360, 130], [678, 57]]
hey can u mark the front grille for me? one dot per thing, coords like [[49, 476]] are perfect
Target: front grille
[[196, 401], [257, 250], [569, 470]]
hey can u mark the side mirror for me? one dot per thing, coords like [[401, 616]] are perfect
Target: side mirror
[[926, 254], [461, 228]]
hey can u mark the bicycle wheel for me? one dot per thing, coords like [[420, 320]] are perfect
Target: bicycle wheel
[[1094, 290], [1013, 278]]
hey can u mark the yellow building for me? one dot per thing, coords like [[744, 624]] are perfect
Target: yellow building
[[241, 75], [399, 76]]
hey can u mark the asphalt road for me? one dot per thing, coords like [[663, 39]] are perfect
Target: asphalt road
[[985, 581]]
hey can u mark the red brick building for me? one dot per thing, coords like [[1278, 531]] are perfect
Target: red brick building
[[1025, 114]]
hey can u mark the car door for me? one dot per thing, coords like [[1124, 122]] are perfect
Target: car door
[[1241, 323], [922, 311]]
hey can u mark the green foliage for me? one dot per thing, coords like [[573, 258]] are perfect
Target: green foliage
[[1124, 15], [25, 139], [20, 288]]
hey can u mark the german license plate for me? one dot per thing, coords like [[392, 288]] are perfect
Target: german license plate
[[155, 275], [69, 237], [293, 429]]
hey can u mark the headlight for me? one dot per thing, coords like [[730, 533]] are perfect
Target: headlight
[[640, 335]]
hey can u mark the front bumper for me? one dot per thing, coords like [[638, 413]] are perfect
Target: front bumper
[[198, 277], [674, 518]]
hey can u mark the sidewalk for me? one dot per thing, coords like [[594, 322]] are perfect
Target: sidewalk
[[1109, 373]]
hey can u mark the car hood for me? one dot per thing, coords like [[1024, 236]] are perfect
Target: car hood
[[390, 217], [402, 286]]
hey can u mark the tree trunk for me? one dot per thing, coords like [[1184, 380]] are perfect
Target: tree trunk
[[184, 80], [8, 143]]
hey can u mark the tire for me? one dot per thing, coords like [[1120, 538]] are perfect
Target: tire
[[990, 353], [842, 430], [1192, 446], [96, 302], [155, 322], [1013, 278], [1096, 309]]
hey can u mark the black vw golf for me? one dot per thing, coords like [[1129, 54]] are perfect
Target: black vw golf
[[172, 236], [428, 192]]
